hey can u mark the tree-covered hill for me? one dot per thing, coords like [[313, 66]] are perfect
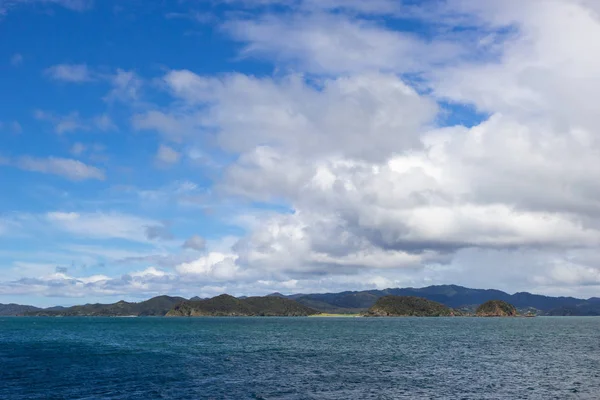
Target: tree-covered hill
[[408, 306], [226, 305]]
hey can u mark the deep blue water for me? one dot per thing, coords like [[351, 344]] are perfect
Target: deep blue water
[[300, 358]]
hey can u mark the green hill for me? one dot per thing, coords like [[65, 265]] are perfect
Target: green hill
[[229, 306], [16, 309], [156, 306], [496, 308], [408, 306]]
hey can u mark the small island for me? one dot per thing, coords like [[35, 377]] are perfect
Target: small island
[[408, 306], [229, 306], [496, 308]]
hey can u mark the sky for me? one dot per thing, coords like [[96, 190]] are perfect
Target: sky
[[200, 147]]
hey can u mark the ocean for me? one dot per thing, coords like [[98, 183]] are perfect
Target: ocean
[[300, 358]]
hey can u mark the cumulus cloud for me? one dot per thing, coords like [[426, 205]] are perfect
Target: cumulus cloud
[[100, 225], [167, 155], [71, 169], [364, 186], [195, 242], [78, 148], [74, 5], [62, 124], [74, 73], [332, 44], [373, 7], [103, 122], [150, 281], [73, 122], [125, 86], [406, 195], [387, 189], [366, 116], [161, 232], [215, 266]]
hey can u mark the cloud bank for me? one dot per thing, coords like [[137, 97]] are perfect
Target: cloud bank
[[355, 150]]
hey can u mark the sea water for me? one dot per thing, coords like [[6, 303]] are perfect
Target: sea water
[[300, 358]]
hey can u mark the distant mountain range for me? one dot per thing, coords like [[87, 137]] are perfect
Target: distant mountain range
[[453, 296], [156, 306], [12, 309]]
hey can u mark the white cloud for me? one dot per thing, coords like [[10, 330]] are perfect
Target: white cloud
[[410, 195], [372, 7], [104, 123], [73, 122], [102, 225], [75, 73], [366, 116], [126, 86], [78, 149], [158, 231], [331, 44], [74, 5], [377, 7], [376, 194], [195, 242], [217, 266], [149, 272], [62, 124], [372, 183], [71, 169], [174, 126], [167, 155], [92, 151], [547, 69]]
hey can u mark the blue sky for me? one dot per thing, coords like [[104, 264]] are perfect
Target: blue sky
[[201, 147]]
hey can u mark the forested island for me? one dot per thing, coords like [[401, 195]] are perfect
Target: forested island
[[496, 308], [229, 306], [408, 306]]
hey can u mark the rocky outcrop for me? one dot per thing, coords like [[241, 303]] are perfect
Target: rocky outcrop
[[496, 308]]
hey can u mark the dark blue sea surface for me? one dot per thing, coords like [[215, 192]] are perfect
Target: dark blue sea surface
[[300, 358]]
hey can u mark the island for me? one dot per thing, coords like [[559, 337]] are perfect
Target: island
[[229, 306], [408, 306], [496, 308]]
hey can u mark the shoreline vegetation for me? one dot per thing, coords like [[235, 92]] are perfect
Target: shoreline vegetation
[[330, 315], [444, 300]]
